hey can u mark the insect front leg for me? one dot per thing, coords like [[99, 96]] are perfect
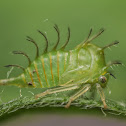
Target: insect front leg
[[82, 90], [58, 89], [100, 90]]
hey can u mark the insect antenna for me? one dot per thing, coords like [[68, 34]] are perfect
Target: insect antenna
[[15, 66], [24, 54], [58, 34], [112, 75], [95, 36], [31, 40], [111, 44], [46, 48], [68, 38]]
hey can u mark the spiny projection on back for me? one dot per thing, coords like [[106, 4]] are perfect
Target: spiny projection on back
[[81, 68]]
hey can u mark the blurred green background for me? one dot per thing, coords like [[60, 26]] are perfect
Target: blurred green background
[[19, 18]]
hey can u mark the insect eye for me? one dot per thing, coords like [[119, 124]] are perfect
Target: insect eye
[[103, 79]]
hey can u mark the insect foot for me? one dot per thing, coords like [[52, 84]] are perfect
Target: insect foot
[[105, 106], [68, 104]]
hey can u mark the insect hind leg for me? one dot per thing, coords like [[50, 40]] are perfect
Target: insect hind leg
[[82, 90], [57, 89]]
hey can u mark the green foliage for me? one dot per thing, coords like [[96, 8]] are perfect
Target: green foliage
[[59, 101]]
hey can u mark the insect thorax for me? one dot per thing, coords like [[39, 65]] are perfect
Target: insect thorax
[[85, 65]]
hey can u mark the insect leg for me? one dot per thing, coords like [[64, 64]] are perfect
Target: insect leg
[[57, 89], [99, 88], [83, 90]]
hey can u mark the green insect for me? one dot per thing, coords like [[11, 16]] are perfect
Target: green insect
[[82, 68]]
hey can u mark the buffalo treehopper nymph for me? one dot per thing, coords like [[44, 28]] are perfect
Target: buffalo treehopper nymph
[[82, 68]]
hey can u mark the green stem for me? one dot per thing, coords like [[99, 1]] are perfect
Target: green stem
[[58, 101]]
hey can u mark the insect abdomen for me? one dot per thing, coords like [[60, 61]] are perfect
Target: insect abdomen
[[47, 69]]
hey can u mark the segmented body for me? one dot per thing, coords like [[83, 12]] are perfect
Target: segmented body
[[47, 69], [59, 67]]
